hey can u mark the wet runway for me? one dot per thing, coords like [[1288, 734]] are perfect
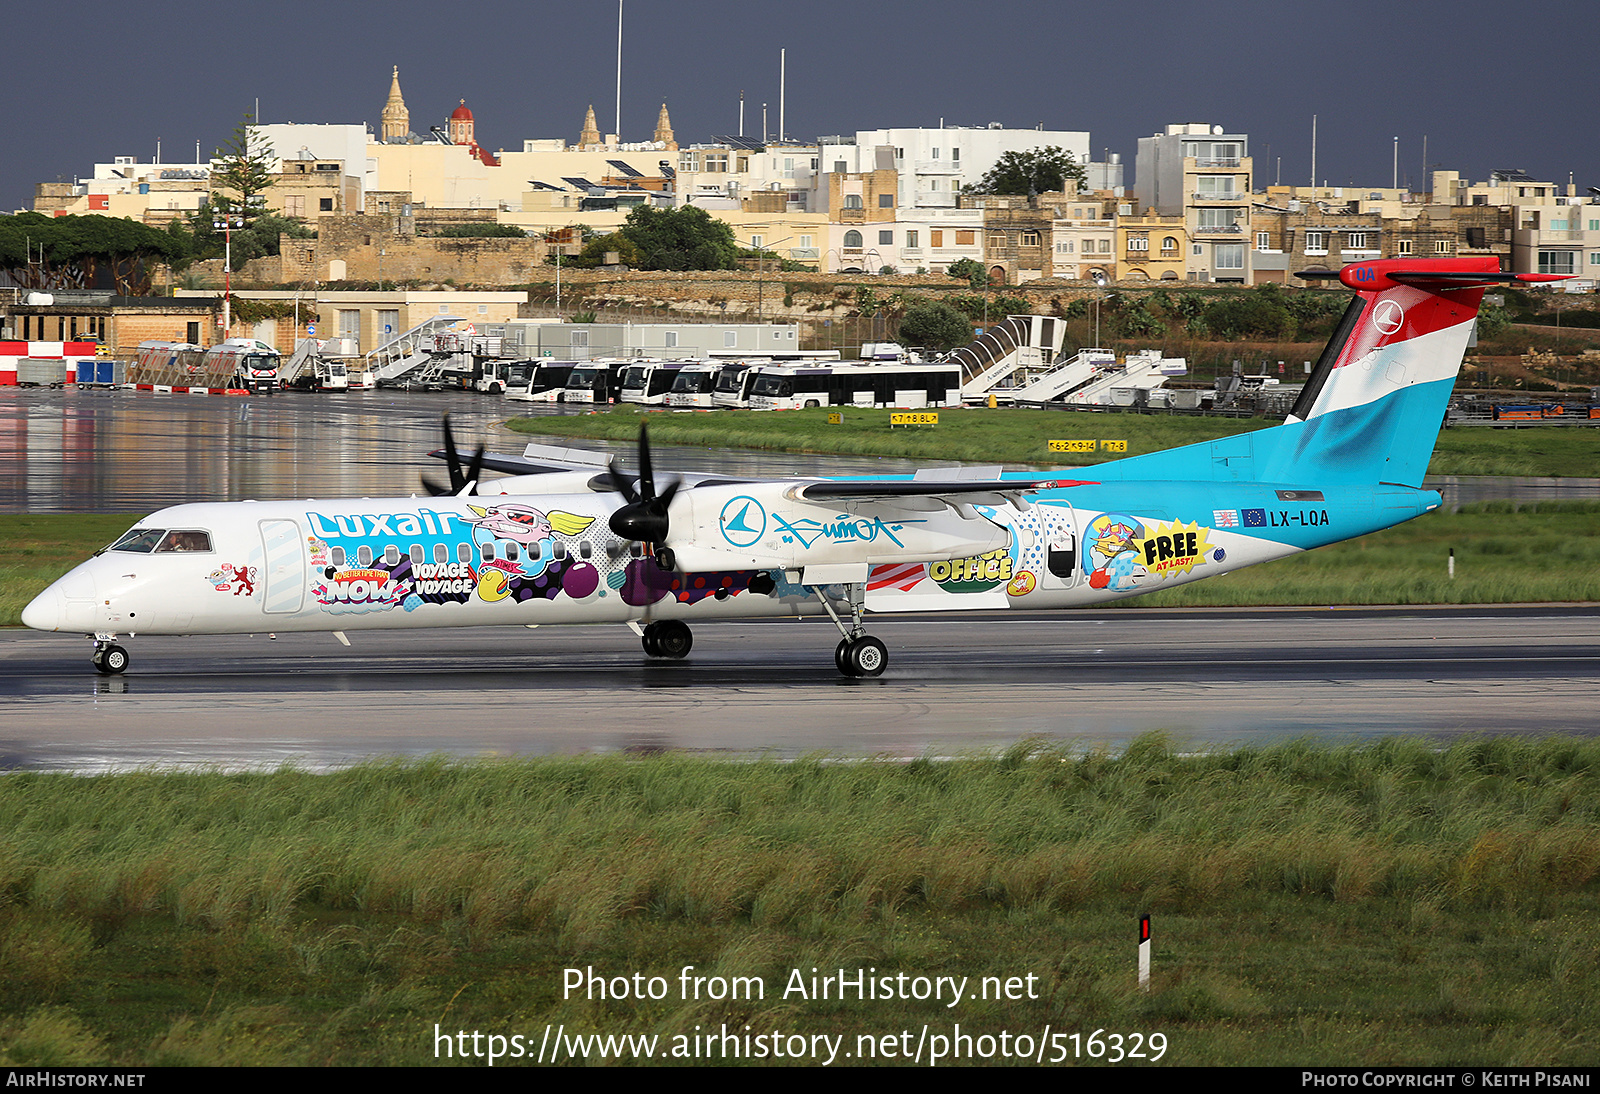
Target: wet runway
[[769, 688]]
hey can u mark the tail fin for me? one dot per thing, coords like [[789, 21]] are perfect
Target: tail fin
[[1371, 410]]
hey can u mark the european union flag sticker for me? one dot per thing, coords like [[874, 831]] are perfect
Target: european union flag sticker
[[1255, 518]]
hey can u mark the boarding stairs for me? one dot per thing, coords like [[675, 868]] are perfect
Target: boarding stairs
[[1051, 383], [1142, 371], [410, 350], [298, 361], [1027, 343]]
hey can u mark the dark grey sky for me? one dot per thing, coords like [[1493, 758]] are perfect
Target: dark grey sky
[[1487, 85]]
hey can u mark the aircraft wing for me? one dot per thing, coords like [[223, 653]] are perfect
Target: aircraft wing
[[967, 490]]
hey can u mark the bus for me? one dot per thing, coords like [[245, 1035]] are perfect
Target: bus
[[913, 386], [648, 382], [597, 381], [543, 382], [694, 385]]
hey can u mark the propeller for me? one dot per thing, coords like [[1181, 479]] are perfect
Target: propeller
[[644, 517], [461, 481]]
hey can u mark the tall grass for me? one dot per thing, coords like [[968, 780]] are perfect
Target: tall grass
[[1303, 893], [577, 846]]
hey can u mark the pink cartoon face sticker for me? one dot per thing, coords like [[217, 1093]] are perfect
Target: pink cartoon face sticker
[[524, 524]]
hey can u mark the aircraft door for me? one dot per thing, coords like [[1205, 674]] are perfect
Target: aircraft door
[[1061, 544], [284, 563]]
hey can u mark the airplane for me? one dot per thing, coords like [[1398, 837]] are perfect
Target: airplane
[[563, 537]]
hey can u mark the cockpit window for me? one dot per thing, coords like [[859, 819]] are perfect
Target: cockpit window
[[185, 540], [139, 541]]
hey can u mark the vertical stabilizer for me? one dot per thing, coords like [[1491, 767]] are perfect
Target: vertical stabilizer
[[1371, 410]]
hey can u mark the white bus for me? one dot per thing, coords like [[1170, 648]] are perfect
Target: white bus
[[597, 381], [912, 386], [543, 382], [648, 382], [694, 385]]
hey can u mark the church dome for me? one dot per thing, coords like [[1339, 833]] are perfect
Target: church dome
[[461, 113]]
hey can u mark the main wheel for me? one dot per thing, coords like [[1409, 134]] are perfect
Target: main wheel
[[112, 661], [867, 656], [651, 647], [673, 639], [839, 660]]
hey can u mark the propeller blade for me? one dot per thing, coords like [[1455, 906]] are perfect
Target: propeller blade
[[451, 460], [647, 481], [469, 481], [433, 487], [623, 483]]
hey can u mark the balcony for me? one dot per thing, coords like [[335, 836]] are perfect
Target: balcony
[[804, 254], [852, 216], [1219, 230], [1218, 197], [1232, 161], [936, 167]]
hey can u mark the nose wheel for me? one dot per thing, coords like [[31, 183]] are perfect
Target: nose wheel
[[109, 658]]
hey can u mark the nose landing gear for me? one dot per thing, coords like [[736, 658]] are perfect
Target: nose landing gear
[[108, 657]]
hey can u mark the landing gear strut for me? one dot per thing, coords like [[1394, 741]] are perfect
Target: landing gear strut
[[109, 658], [667, 638], [858, 653]]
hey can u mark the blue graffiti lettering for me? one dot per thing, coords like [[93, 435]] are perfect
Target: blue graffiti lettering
[[843, 530]]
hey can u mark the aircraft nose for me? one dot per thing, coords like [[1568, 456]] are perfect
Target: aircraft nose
[[44, 612]]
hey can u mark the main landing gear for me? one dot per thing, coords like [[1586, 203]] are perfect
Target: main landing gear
[[108, 657], [858, 653], [667, 638]]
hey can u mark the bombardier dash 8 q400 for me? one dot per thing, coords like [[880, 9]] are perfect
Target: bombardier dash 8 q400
[[565, 539]]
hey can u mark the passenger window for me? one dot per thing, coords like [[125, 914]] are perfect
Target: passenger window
[[391, 555], [441, 553], [488, 552], [363, 555], [416, 552], [512, 554], [463, 552], [560, 551], [338, 556], [585, 550], [536, 551]]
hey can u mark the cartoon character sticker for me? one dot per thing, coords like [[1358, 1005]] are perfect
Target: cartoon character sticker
[[240, 579], [524, 524], [1112, 557]]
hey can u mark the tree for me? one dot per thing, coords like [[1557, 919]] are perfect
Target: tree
[[243, 166], [72, 252], [936, 325], [1033, 172], [481, 231], [597, 248], [965, 269], [681, 239]]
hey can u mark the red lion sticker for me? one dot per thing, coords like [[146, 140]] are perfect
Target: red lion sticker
[[241, 579]]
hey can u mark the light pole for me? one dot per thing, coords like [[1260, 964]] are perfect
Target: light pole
[[227, 222]]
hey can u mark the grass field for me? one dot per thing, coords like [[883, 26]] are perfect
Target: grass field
[[1020, 436], [1504, 554], [1380, 903]]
